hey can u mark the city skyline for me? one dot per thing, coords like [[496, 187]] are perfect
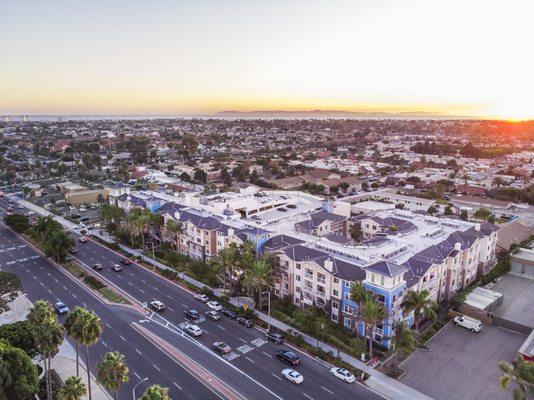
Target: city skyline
[[207, 57]]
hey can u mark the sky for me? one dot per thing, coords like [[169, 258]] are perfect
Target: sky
[[457, 57]]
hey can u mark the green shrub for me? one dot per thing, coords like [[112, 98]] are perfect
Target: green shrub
[[93, 282]]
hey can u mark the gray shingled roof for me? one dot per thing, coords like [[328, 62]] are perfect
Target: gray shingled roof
[[386, 268]]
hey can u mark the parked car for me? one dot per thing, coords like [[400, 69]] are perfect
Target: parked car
[[82, 239], [229, 313], [288, 357], [343, 374], [61, 308], [282, 209], [115, 268], [97, 267], [214, 305], [274, 337], [192, 315], [157, 305], [202, 297], [474, 325], [73, 250], [193, 330], [21, 207], [214, 315], [291, 206], [292, 376], [221, 347], [126, 261], [246, 322]]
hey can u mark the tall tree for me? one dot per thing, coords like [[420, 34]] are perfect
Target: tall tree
[[90, 331], [174, 229], [48, 335], [156, 392], [45, 226], [372, 314], [10, 286], [359, 295], [72, 326], [58, 245], [73, 389], [226, 261], [421, 305], [112, 372], [257, 277], [404, 339]]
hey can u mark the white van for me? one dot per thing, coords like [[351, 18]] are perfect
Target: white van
[[474, 325]]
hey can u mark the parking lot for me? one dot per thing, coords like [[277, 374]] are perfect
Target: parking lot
[[462, 364]]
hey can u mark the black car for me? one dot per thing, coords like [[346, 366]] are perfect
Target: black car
[[274, 337], [97, 267], [291, 206], [126, 261], [192, 315], [246, 322], [229, 313], [288, 357]]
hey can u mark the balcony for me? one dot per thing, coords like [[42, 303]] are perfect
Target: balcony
[[309, 276], [322, 281], [320, 294]]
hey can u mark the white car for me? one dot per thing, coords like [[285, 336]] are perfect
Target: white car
[[214, 305], [157, 305], [474, 325], [343, 374], [193, 330], [81, 226], [202, 297], [21, 206], [292, 376]]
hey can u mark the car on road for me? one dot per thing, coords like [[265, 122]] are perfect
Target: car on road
[[229, 313], [82, 239], [202, 297], [192, 315], [214, 305], [282, 209], [80, 226], [343, 374], [288, 357], [193, 330], [28, 213], [246, 322], [97, 267], [292, 376], [214, 315], [474, 325], [126, 261], [221, 347], [291, 206], [157, 305], [115, 267], [21, 206], [61, 308], [274, 337]]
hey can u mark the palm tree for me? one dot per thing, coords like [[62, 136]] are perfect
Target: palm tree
[[48, 335], [112, 372], [355, 231], [257, 278], [141, 224], [226, 261], [421, 305], [73, 389], [156, 392], [403, 340], [45, 226], [174, 227], [71, 325], [58, 244], [359, 295], [522, 373], [372, 313], [90, 330]]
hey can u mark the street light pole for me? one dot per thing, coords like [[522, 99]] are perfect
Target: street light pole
[[135, 387], [268, 309]]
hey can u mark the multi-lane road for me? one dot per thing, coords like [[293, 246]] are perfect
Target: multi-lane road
[[251, 369]]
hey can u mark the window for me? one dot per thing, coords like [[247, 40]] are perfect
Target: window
[[334, 317], [335, 305], [381, 280], [335, 293], [336, 280], [381, 298], [347, 322], [298, 266], [297, 277]]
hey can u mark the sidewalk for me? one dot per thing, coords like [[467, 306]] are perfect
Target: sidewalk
[[383, 384]]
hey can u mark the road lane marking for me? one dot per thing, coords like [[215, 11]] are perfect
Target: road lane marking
[[174, 383], [142, 291], [41, 283], [49, 291], [243, 340], [142, 280], [138, 352], [85, 305], [137, 376], [108, 325], [276, 376], [130, 283], [155, 366], [268, 355], [252, 361], [311, 398], [56, 280], [170, 297], [122, 337], [222, 327], [329, 391], [104, 343], [65, 288]]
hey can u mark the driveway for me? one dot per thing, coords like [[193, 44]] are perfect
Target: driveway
[[462, 364]]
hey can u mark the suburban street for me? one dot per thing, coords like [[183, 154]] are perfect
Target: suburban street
[[251, 369]]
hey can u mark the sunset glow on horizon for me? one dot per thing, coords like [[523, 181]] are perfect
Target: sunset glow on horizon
[[463, 58]]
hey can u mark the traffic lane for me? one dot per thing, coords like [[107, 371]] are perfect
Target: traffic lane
[[228, 330], [120, 336]]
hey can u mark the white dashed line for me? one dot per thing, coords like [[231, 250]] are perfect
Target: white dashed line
[[108, 325], [243, 340], [137, 376], [155, 366], [329, 391], [222, 327], [65, 288], [252, 361], [268, 355], [304, 394], [56, 280], [276, 376], [138, 352], [174, 383], [104, 343], [122, 337]]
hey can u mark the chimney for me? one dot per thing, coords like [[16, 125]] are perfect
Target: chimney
[[329, 265], [458, 246]]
